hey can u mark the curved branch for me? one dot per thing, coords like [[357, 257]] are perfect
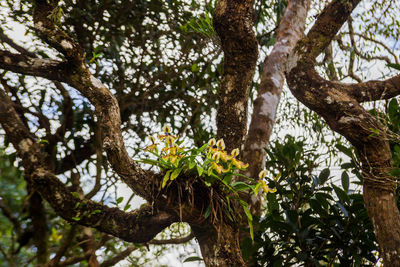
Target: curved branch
[[138, 226], [105, 103], [4, 38], [319, 36], [373, 90], [118, 257]]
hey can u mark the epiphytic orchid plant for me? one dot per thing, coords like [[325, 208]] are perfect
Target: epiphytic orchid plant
[[210, 162]]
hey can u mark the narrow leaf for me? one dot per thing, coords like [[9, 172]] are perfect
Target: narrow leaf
[[166, 178]]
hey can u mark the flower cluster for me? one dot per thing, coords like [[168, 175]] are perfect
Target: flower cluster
[[171, 152], [211, 160], [213, 165], [217, 152]]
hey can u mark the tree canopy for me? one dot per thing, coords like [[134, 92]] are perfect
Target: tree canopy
[[85, 83]]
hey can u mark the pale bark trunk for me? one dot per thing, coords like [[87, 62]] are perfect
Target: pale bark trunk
[[290, 30]]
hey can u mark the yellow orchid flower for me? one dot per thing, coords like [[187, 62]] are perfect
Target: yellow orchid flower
[[218, 167], [221, 144], [172, 158], [170, 141], [212, 142], [239, 164], [235, 152], [216, 156], [266, 188], [225, 157], [166, 129], [262, 174], [153, 145]]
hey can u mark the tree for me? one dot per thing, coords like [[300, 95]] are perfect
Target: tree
[[113, 54]]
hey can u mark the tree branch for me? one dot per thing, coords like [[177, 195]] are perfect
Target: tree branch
[[46, 68], [118, 257], [105, 103], [4, 38], [179, 240], [373, 90], [138, 226], [319, 36], [125, 253]]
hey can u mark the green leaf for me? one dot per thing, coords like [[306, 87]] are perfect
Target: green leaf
[[374, 132], [323, 199], [95, 212], [345, 181], [76, 194], [77, 219], [343, 209], [342, 195], [200, 170], [272, 202], [246, 210], [209, 172], [394, 66], [150, 161], [193, 258], [191, 165], [228, 179], [208, 212], [119, 200], [166, 178], [317, 207], [347, 151], [393, 109], [195, 68], [175, 173], [324, 175], [240, 186]]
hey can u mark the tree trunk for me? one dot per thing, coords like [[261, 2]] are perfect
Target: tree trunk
[[219, 247], [380, 198]]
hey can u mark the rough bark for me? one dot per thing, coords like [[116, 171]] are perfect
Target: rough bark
[[339, 105], [219, 247], [39, 223], [233, 21]]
